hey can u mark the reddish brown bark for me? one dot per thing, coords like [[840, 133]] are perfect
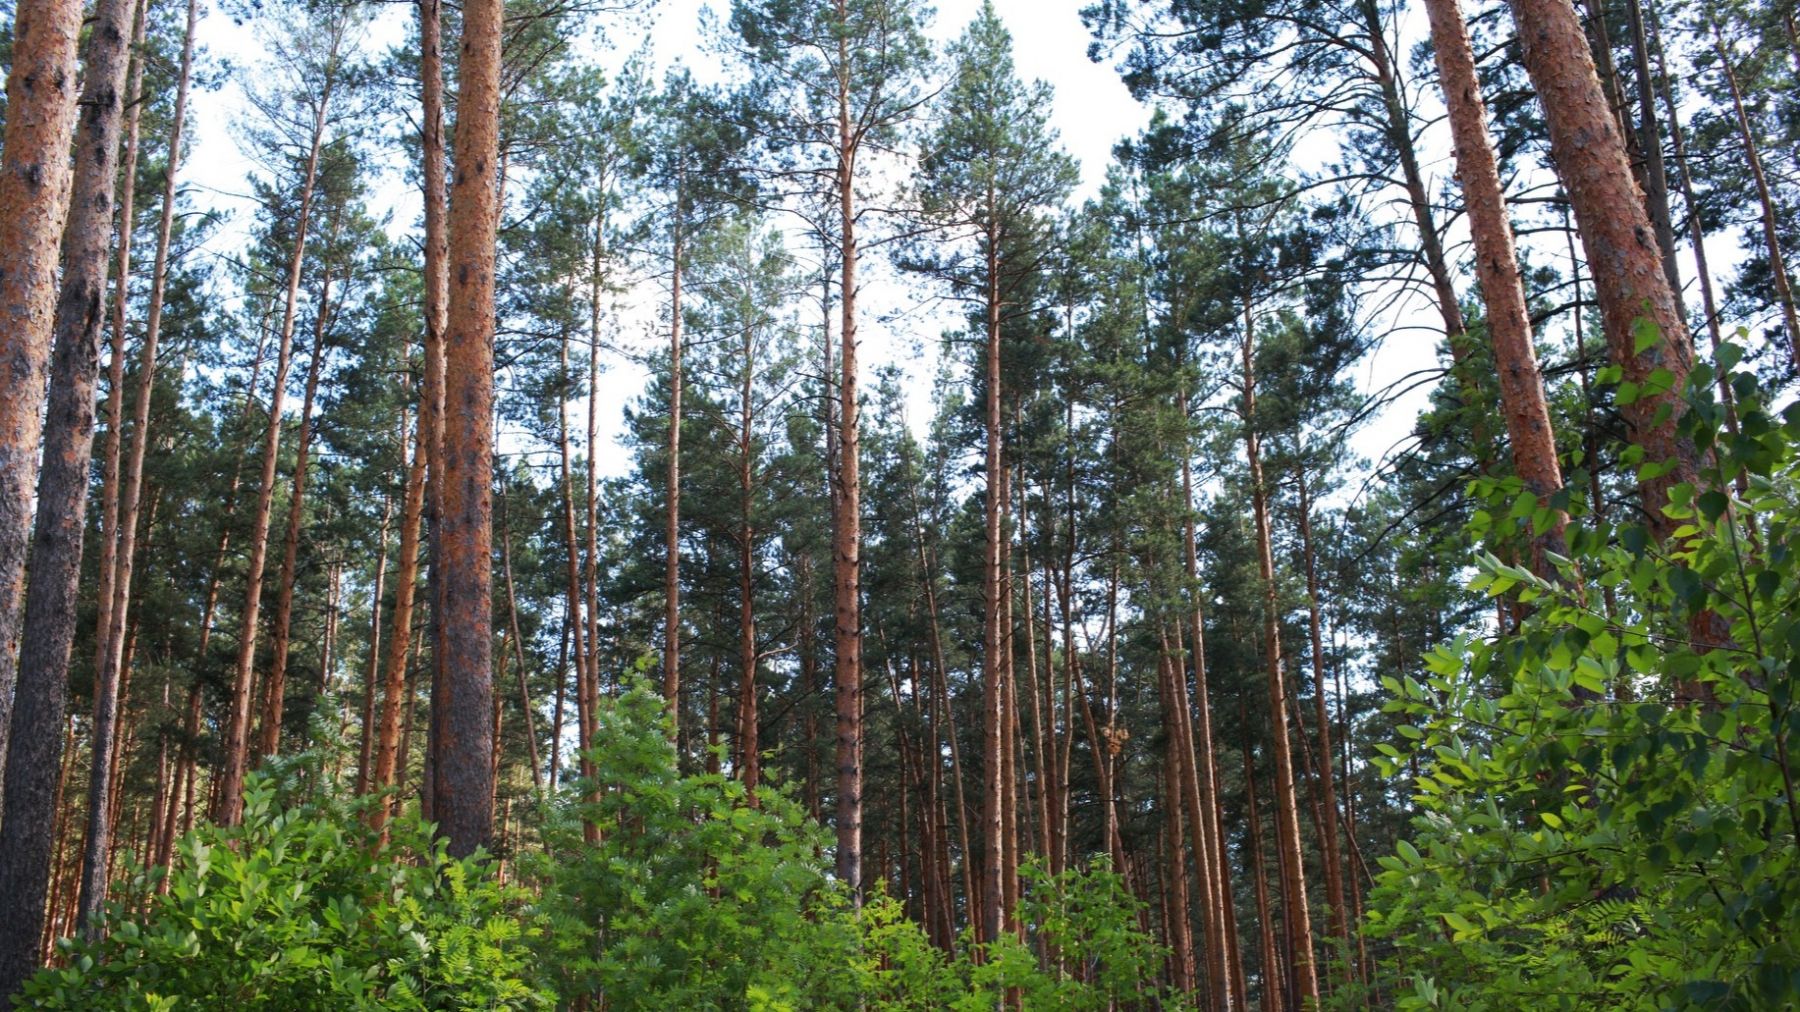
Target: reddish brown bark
[[228, 806], [281, 630], [462, 784], [1287, 820], [48, 632], [1617, 235], [846, 512], [1497, 266], [34, 185]]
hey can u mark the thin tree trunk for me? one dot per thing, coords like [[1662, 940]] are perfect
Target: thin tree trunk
[[462, 784], [512, 616], [281, 632], [372, 674], [1332, 856], [846, 534], [229, 805], [1784, 294], [1287, 819], [1655, 175], [115, 377], [993, 670], [749, 720], [1271, 974], [436, 196], [672, 504]]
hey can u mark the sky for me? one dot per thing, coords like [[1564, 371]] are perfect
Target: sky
[[1092, 111]]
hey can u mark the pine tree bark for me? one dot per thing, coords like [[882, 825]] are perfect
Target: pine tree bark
[[749, 719], [115, 376], [1287, 820], [1616, 233], [846, 533], [34, 203], [48, 633], [993, 669], [229, 805], [672, 492], [462, 785], [1497, 266], [281, 631]]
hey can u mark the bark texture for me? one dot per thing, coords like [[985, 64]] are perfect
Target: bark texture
[[462, 785], [34, 194], [1497, 265], [1616, 234]]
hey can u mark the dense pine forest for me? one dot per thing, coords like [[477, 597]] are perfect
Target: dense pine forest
[[603, 504]]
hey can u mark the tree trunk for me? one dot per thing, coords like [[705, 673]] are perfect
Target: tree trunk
[[846, 533], [34, 203], [281, 633], [1497, 267], [462, 784], [229, 805], [372, 674], [115, 376], [1655, 175], [1617, 235], [48, 631], [749, 720], [672, 527], [1332, 857], [1784, 294], [993, 669], [1287, 819]]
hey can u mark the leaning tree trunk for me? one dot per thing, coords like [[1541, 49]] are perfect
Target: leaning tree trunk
[[1616, 233], [281, 633], [463, 782], [1784, 293], [48, 632], [1497, 265], [34, 185], [228, 806]]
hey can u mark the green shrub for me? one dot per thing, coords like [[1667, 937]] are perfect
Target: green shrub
[[692, 898], [1589, 835], [301, 907]]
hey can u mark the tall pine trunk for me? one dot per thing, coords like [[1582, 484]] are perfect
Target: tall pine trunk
[[48, 633], [1497, 266], [1616, 233], [462, 785], [1287, 819], [228, 806], [846, 513], [34, 203]]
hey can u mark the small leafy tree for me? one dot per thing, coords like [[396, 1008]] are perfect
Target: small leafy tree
[[694, 897], [1607, 808]]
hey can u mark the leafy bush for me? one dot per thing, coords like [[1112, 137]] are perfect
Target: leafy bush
[[692, 897], [302, 907], [1607, 809], [1086, 952]]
